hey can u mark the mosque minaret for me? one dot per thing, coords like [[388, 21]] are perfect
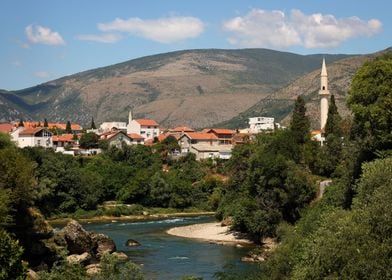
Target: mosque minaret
[[324, 96]]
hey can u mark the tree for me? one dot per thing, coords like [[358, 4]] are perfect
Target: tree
[[370, 99], [68, 127], [334, 121], [89, 140], [21, 123], [11, 266], [46, 123], [92, 126], [300, 125]]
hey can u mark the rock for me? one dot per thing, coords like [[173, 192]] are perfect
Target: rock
[[132, 243], [77, 238], [40, 228], [102, 244], [81, 259], [228, 221], [31, 275], [93, 269], [121, 256]]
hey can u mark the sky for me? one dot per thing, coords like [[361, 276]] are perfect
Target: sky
[[43, 40]]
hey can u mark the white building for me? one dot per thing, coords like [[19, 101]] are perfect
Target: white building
[[33, 137], [148, 129], [259, 124], [109, 126]]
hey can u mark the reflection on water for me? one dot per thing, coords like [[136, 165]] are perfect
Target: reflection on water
[[169, 257]]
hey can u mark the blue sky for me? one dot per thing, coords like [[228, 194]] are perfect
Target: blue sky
[[43, 40]]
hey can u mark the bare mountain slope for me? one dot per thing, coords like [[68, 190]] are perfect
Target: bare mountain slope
[[280, 103], [198, 88]]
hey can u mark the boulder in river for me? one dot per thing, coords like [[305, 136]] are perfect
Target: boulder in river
[[77, 238], [132, 243], [102, 244]]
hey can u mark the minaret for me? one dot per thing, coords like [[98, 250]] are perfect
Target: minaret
[[324, 95], [130, 117]]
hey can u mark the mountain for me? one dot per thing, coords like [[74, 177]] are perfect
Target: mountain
[[197, 88], [280, 103]]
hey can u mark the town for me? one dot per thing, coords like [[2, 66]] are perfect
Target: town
[[209, 143]]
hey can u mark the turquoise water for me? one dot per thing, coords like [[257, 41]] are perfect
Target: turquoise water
[[163, 256]]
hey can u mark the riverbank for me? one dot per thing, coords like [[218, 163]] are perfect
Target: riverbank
[[114, 219], [211, 232]]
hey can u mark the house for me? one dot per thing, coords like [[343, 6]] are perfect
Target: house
[[119, 137], [34, 137], [188, 139], [203, 151], [180, 130], [148, 129], [259, 124], [136, 139], [241, 138], [64, 140], [225, 136], [109, 126]]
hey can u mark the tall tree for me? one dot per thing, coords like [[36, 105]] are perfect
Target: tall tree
[[370, 100], [300, 124], [93, 123], [68, 127], [21, 123], [334, 121], [46, 123]]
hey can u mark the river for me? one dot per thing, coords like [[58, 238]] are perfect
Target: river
[[163, 256]]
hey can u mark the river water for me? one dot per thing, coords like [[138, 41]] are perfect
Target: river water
[[163, 256]]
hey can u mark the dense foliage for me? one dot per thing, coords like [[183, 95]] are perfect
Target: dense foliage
[[270, 182], [347, 233]]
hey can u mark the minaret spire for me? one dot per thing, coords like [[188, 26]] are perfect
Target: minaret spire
[[324, 95]]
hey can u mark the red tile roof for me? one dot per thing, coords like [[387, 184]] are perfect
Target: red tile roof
[[147, 122], [201, 136], [62, 126], [30, 131], [5, 127], [110, 134], [220, 131], [63, 138], [181, 129], [135, 136]]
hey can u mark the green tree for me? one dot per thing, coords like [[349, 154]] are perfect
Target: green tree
[[93, 126], [89, 140], [68, 128], [299, 124], [46, 123], [113, 269], [370, 100], [11, 266], [333, 125], [21, 122]]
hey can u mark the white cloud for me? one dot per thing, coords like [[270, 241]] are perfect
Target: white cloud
[[42, 74], [38, 34], [260, 28], [103, 38], [163, 30]]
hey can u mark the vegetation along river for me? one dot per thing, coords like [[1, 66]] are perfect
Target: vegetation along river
[[163, 256]]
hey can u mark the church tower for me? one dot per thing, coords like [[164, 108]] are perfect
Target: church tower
[[324, 95]]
